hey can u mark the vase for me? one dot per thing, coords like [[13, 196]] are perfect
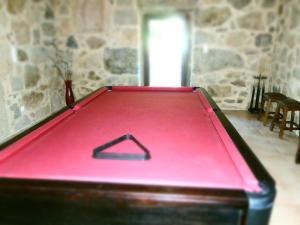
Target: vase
[[69, 93]]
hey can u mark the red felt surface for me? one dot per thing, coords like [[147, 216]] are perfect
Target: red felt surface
[[188, 145]]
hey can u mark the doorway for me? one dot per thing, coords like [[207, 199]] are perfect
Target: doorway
[[166, 50]]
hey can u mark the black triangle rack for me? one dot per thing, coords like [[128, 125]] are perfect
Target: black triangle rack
[[100, 154]]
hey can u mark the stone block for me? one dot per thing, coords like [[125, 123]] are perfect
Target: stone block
[[34, 16], [4, 127], [36, 37], [124, 3], [276, 88], [295, 17], [243, 94], [49, 14], [239, 4], [63, 9], [229, 101], [42, 112], [71, 42], [15, 6], [48, 29], [5, 61], [213, 16], [296, 73], [16, 83], [49, 71], [93, 60], [239, 83], [88, 15], [219, 91], [133, 81], [32, 76], [40, 54], [183, 4], [263, 40], [121, 61], [92, 76], [298, 93], [251, 21], [283, 55], [202, 37], [32, 100], [55, 83], [124, 37], [65, 27], [125, 17], [298, 56], [3, 22], [268, 3], [22, 123], [16, 111], [212, 2], [21, 32], [216, 59], [291, 41], [237, 39], [83, 91], [95, 42], [271, 18], [22, 55]]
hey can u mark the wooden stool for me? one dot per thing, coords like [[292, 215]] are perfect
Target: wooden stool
[[287, 105], [269, 97]]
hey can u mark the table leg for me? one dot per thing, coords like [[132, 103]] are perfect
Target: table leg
[[292, 120], [275, 118], [265, 120], [283, 123], [298, 150], [262, 104]]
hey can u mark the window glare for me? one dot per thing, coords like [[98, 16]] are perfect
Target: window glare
[[166, 48]]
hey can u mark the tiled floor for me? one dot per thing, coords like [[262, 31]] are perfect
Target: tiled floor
[[278, 156]]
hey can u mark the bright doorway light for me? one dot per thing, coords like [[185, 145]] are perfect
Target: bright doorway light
[[166, 48]]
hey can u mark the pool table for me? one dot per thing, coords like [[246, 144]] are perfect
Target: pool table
[[134, 155]]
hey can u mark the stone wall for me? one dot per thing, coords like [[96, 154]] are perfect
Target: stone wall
[[286, 67], [104, 35], [29, 87], [231, 41], [286, 76]]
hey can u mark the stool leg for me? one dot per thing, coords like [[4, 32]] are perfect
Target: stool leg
[[292, 120], [283, 123], [266, 115], [298, 151], [262, 104], [275, 118]]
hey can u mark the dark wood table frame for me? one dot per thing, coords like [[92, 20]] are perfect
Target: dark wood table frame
[[36, 202]]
